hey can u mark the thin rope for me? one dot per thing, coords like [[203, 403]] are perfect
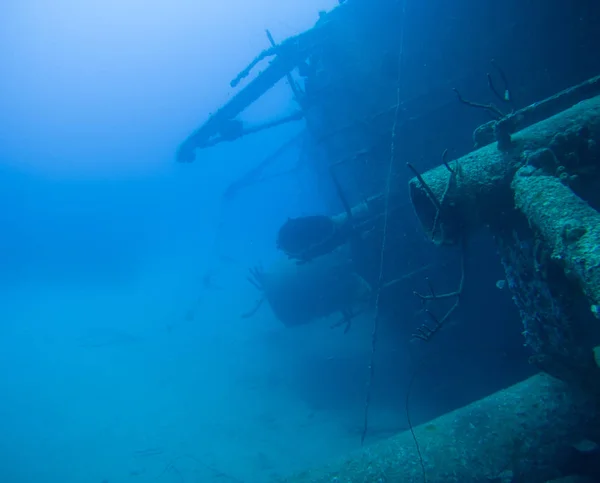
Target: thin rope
[[409, 419], [388, 185]]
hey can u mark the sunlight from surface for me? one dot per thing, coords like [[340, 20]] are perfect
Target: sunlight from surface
[[117, 84], [106, 244]]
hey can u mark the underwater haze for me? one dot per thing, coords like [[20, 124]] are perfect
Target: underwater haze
[[123, 357], [277, 304]]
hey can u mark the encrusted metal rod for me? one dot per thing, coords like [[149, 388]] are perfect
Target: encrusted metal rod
[[251, 312], [425, 332], [426, 187], [451, 178], [488, 107], [239, 131], [288, 76], [246, 72], [287, 56], [445, 162], [404, 277], [484, 176], [255, 175], [251, 92], [506, 95], [341, 195], [539, 111]]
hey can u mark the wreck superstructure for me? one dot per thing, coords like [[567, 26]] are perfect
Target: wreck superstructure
[[531, 181]]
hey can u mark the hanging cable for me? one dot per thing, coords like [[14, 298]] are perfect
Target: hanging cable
[[388, 183]]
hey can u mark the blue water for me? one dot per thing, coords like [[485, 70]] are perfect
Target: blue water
[[123, 274], [118, 362]]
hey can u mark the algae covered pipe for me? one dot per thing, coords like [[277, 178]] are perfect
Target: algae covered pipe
[[485, 134], [476, 188], [569, 226], [471, 191], [521, 430]]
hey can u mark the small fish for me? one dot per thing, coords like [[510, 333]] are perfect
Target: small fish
[[582, 458], [500, 284], [586, 446], [228, 259], [208, 282], [142, 453]]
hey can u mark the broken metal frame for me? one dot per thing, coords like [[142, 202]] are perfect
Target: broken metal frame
[[256, 174], [287, 55], [426, 332]]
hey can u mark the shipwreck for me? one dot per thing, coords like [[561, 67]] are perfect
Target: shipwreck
[[530, 182]]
